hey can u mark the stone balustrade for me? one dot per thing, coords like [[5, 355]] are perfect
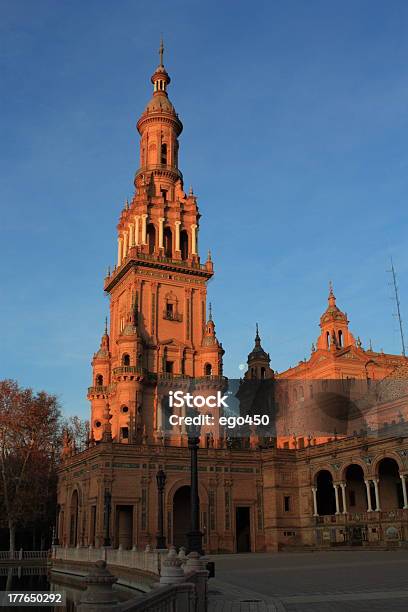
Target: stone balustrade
[[146, 561], [182, 586]]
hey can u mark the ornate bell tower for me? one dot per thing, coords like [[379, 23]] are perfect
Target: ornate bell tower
[[335, 333], [158, 316]]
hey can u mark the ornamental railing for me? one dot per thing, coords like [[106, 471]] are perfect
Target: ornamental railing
[[23, 555], [98, 390], [146, 561], [128, 370]]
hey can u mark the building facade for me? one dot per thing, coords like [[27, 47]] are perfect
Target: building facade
[[332, 471]]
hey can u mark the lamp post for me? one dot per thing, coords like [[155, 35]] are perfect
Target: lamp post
[[194, 536], [161, 482], [106, 518], [56, 527]]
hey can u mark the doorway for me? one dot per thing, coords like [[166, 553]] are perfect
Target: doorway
[[181, 515], [243, 529], [124, 526]]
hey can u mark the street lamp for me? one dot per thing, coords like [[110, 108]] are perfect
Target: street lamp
[[194, 536], [161, 482], [55, 530], [106, 517]]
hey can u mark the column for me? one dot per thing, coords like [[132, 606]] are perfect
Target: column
[[131, 236], [314, 491], [144, 217], [368, 488], [404, 490], [120, 242], [377, 495], [161, 222], [336, 494], [159, 415], [343, 495], [137, 219], [125, 243], [177, 224], [194, 239]]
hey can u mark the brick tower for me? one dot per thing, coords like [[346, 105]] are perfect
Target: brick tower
[[159, 333]]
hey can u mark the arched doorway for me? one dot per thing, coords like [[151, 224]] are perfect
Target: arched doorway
[[151, 237], [73, 520], [326, 501], [355, 489], [181, 515], [390, 486]]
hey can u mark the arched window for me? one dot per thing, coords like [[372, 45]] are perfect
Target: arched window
[[263, 372], [207, 369], [184, 244], [340, 338], [151, 237], [152, 154], [99, 380], [328, 339], [125, 360], [163, 157], [168, 242]]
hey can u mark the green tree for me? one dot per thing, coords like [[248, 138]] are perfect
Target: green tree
[[30, 437]]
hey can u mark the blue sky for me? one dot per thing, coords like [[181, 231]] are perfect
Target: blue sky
[[295, 141]]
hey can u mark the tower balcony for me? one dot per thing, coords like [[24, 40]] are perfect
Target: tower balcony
[[100, 391], [136, 258], [162, 170], [97, 391], [128, 372]]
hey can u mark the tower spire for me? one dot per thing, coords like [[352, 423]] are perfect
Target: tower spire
[[161, 51], [210, 312], [257, 338]]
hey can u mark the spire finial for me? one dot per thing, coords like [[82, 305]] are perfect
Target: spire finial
[[209, 255], [161, 50], [332, 297], [257, 338], [210, 312], [106, 326]]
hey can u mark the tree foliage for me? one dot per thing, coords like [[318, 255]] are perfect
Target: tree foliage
[[31, 429]]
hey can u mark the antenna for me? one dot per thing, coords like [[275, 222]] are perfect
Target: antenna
[[398, 314]]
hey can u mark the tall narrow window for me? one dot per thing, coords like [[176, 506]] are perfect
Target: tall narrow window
[[164, 153], [286, 503], [169, 310], [151, 237], [328, 339], [169, 367], [340, 338], [125, 360], [184, 244], [168, 242]]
